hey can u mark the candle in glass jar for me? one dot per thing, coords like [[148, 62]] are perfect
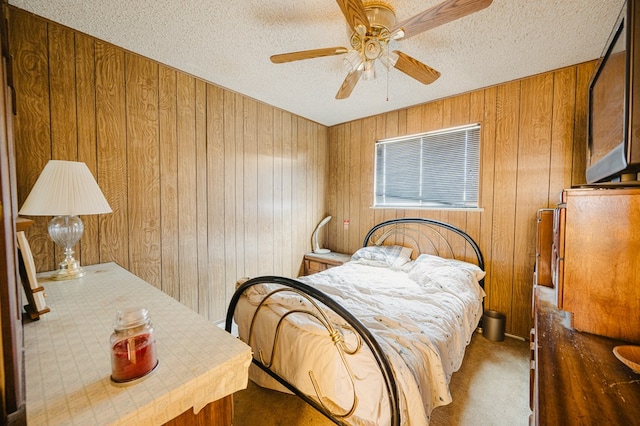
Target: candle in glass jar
[[133, 350]]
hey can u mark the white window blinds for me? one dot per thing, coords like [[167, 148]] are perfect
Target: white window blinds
[[438, 169]]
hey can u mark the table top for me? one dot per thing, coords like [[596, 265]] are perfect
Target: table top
[[580, 381], [331, 256], [68, 364]]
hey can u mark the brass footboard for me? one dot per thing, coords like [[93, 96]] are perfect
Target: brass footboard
[[335, 332]]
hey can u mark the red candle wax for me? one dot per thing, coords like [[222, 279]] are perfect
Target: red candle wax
[[133, 357]]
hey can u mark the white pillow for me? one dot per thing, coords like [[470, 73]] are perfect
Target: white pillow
[[389, 256], [471, 267], [460, 264]]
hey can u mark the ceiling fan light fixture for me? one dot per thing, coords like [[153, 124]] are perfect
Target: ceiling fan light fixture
[[352, 60], [369, 72], [389, 59], [397, 34], [369, 75]]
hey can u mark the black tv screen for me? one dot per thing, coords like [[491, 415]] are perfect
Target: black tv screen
[[611, 146]]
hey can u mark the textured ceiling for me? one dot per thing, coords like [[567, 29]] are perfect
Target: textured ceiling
[[228, 42]]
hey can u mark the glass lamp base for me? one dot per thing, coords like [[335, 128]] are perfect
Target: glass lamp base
[[69, 269], [61, 274], [66, 231]]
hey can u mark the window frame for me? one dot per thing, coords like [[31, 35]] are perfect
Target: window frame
[[420, 204]]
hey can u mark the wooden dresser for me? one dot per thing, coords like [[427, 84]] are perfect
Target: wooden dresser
[[593, 307], [596, 260], [575, 378]]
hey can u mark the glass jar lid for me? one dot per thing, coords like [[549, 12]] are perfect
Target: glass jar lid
[[131, 317]]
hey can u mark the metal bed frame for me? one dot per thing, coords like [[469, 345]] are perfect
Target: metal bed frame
[[427, 232]]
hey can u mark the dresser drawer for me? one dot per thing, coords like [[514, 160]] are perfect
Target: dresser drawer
[[313, 266]]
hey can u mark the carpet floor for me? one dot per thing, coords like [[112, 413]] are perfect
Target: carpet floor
[[490, 389]]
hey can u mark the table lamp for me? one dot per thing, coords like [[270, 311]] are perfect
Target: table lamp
[[316, 246], [65, 189]]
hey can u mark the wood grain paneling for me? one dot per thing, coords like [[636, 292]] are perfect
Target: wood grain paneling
[[299, 189], [236, 116], [309, 178], [206, 185], [215, 229], [86, 122], [62, 93], [564, 98], [265, 189], [143, 169], [528, 154], [487, 173], [187, 190], [250, 187], [289, 263], [277, 201], [32, 128], [505, 197], [353, 184], [202, 209], [167, 133], [231, 220], [367, 171], [534, 152], [112, 152]]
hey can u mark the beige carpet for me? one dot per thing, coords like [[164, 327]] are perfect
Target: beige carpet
[[491, 389]]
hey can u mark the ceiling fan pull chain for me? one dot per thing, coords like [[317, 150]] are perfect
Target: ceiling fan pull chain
[[387, 67]]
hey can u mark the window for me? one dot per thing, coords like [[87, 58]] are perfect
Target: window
[[438, 169]]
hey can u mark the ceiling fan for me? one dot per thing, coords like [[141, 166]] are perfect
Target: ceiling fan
[[374, 25]]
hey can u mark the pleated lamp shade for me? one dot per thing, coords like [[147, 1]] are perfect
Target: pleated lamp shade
[[65, 188]]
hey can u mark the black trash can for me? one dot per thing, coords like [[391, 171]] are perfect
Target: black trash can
[[493, 323]]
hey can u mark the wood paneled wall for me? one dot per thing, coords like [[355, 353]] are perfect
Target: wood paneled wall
[[206, 185], [533, 145]]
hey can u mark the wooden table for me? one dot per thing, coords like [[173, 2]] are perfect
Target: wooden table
[[68, 366], [577, 378]]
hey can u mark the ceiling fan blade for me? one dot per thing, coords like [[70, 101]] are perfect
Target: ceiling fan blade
[[308, 54], [446, 11], [416, 69], [353, 11], [348, 84]]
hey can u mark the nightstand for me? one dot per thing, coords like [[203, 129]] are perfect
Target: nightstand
[[314, 262]]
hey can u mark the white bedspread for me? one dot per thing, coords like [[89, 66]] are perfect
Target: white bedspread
[[422, 315]]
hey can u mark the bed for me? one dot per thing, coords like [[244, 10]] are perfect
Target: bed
[[376, 340]]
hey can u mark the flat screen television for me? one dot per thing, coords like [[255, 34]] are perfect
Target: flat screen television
[[613, 147]]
